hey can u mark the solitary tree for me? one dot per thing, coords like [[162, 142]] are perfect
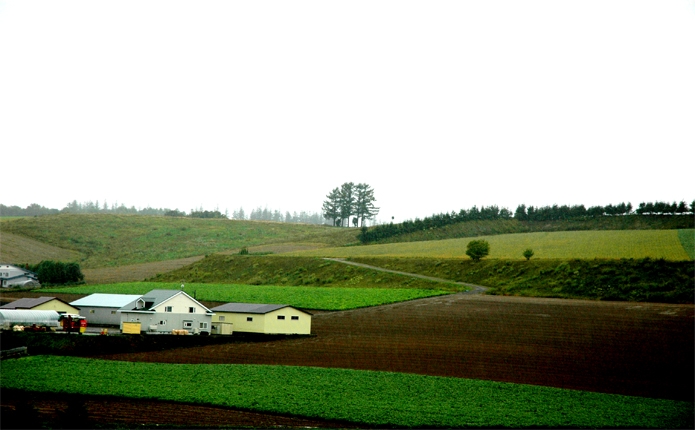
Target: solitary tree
[[528, 253], [477, 249]]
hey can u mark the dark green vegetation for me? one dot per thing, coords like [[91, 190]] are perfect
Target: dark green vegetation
[[296, 271], [350, 204], [105, 240], [644, 280], [85, 346], [56, 272], [477, 249], [363, 397], [419, 231]]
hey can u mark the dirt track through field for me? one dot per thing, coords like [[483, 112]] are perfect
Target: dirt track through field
[[640, 349]]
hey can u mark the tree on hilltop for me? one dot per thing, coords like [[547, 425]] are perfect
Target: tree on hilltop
[[348, 200]]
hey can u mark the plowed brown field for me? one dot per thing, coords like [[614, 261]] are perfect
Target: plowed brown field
[[640, 349]]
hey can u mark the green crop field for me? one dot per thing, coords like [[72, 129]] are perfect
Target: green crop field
[[603, 244], [301, 297], [362, 397]]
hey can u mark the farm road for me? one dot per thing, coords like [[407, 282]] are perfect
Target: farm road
[[474, 289]]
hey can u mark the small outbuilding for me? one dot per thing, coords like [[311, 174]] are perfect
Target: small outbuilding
[[162, 311], [13, 276], [102, 309], [42, 304], [260, 318]]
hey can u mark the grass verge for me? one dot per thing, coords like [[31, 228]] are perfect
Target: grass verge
[[364, 397]]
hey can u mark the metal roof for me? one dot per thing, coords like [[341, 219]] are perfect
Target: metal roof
[[28, 303], [247, 308], [99, 300]]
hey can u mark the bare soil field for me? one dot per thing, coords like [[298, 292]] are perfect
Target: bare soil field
[[635, 349], [17, 249], [638, 349]]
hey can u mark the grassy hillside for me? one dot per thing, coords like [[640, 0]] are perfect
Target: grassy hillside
[[106, 240], [610, 244], [293, 271], [646, 280]]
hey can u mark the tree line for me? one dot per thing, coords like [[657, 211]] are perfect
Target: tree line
[[265, 214], [350, 202], [522, 213]]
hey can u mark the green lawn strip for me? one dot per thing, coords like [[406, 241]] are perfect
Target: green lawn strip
[[687, 239], [301, 297], [364, 397]]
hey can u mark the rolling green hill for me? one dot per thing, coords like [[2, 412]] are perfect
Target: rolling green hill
[[106, 240]]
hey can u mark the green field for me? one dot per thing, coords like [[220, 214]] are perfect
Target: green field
[[362, 397], [603, 244], [318, 298]]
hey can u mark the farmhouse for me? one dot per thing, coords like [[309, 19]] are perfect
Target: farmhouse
[[102, 309], [258, 318], [166, 310], [13, 276], [42, 304]]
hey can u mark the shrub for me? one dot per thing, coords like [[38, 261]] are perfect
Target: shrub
[[477, 249]]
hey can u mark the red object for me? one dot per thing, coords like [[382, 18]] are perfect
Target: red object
[[74, 323]]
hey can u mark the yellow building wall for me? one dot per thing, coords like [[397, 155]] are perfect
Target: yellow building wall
[[268, 323], [56, 305]]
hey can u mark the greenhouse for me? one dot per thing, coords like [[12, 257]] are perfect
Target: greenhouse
[[11, 317]]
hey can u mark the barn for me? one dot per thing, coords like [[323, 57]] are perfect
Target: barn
[[13, 276], [42, 304], [102, 309], [259, 318], [162, 311]]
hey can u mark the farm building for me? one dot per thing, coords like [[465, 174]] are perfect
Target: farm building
[[12, 317], [43, 304], [102, 309], [268, 319], [166, 310], [13, 276]]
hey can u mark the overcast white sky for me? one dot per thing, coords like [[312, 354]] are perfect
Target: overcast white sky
[[438, 105]]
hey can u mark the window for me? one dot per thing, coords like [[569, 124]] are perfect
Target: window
[[113, 312], [187, 324], [221, 318], [295, 318], [91, 311], [168, 309], [191, 310], [204, 325], [249, 318], [281, 317], [163, 322]]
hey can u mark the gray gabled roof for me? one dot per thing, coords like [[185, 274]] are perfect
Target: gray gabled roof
[[29, 303], [249, 308], [99, 300]]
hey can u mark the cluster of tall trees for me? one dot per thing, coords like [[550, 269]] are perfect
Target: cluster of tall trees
[[522, 213], [56, 272], [350, 202]]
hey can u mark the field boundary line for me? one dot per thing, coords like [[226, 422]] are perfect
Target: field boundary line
[[475, 289]]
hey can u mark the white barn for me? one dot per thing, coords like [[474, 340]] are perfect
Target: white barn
[[102, 309], [259, 318], [166, 310]]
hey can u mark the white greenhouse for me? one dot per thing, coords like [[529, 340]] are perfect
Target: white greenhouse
[[12, 317]]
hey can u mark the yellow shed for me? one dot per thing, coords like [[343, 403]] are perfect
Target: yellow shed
[[42, 304], [259, 318]]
